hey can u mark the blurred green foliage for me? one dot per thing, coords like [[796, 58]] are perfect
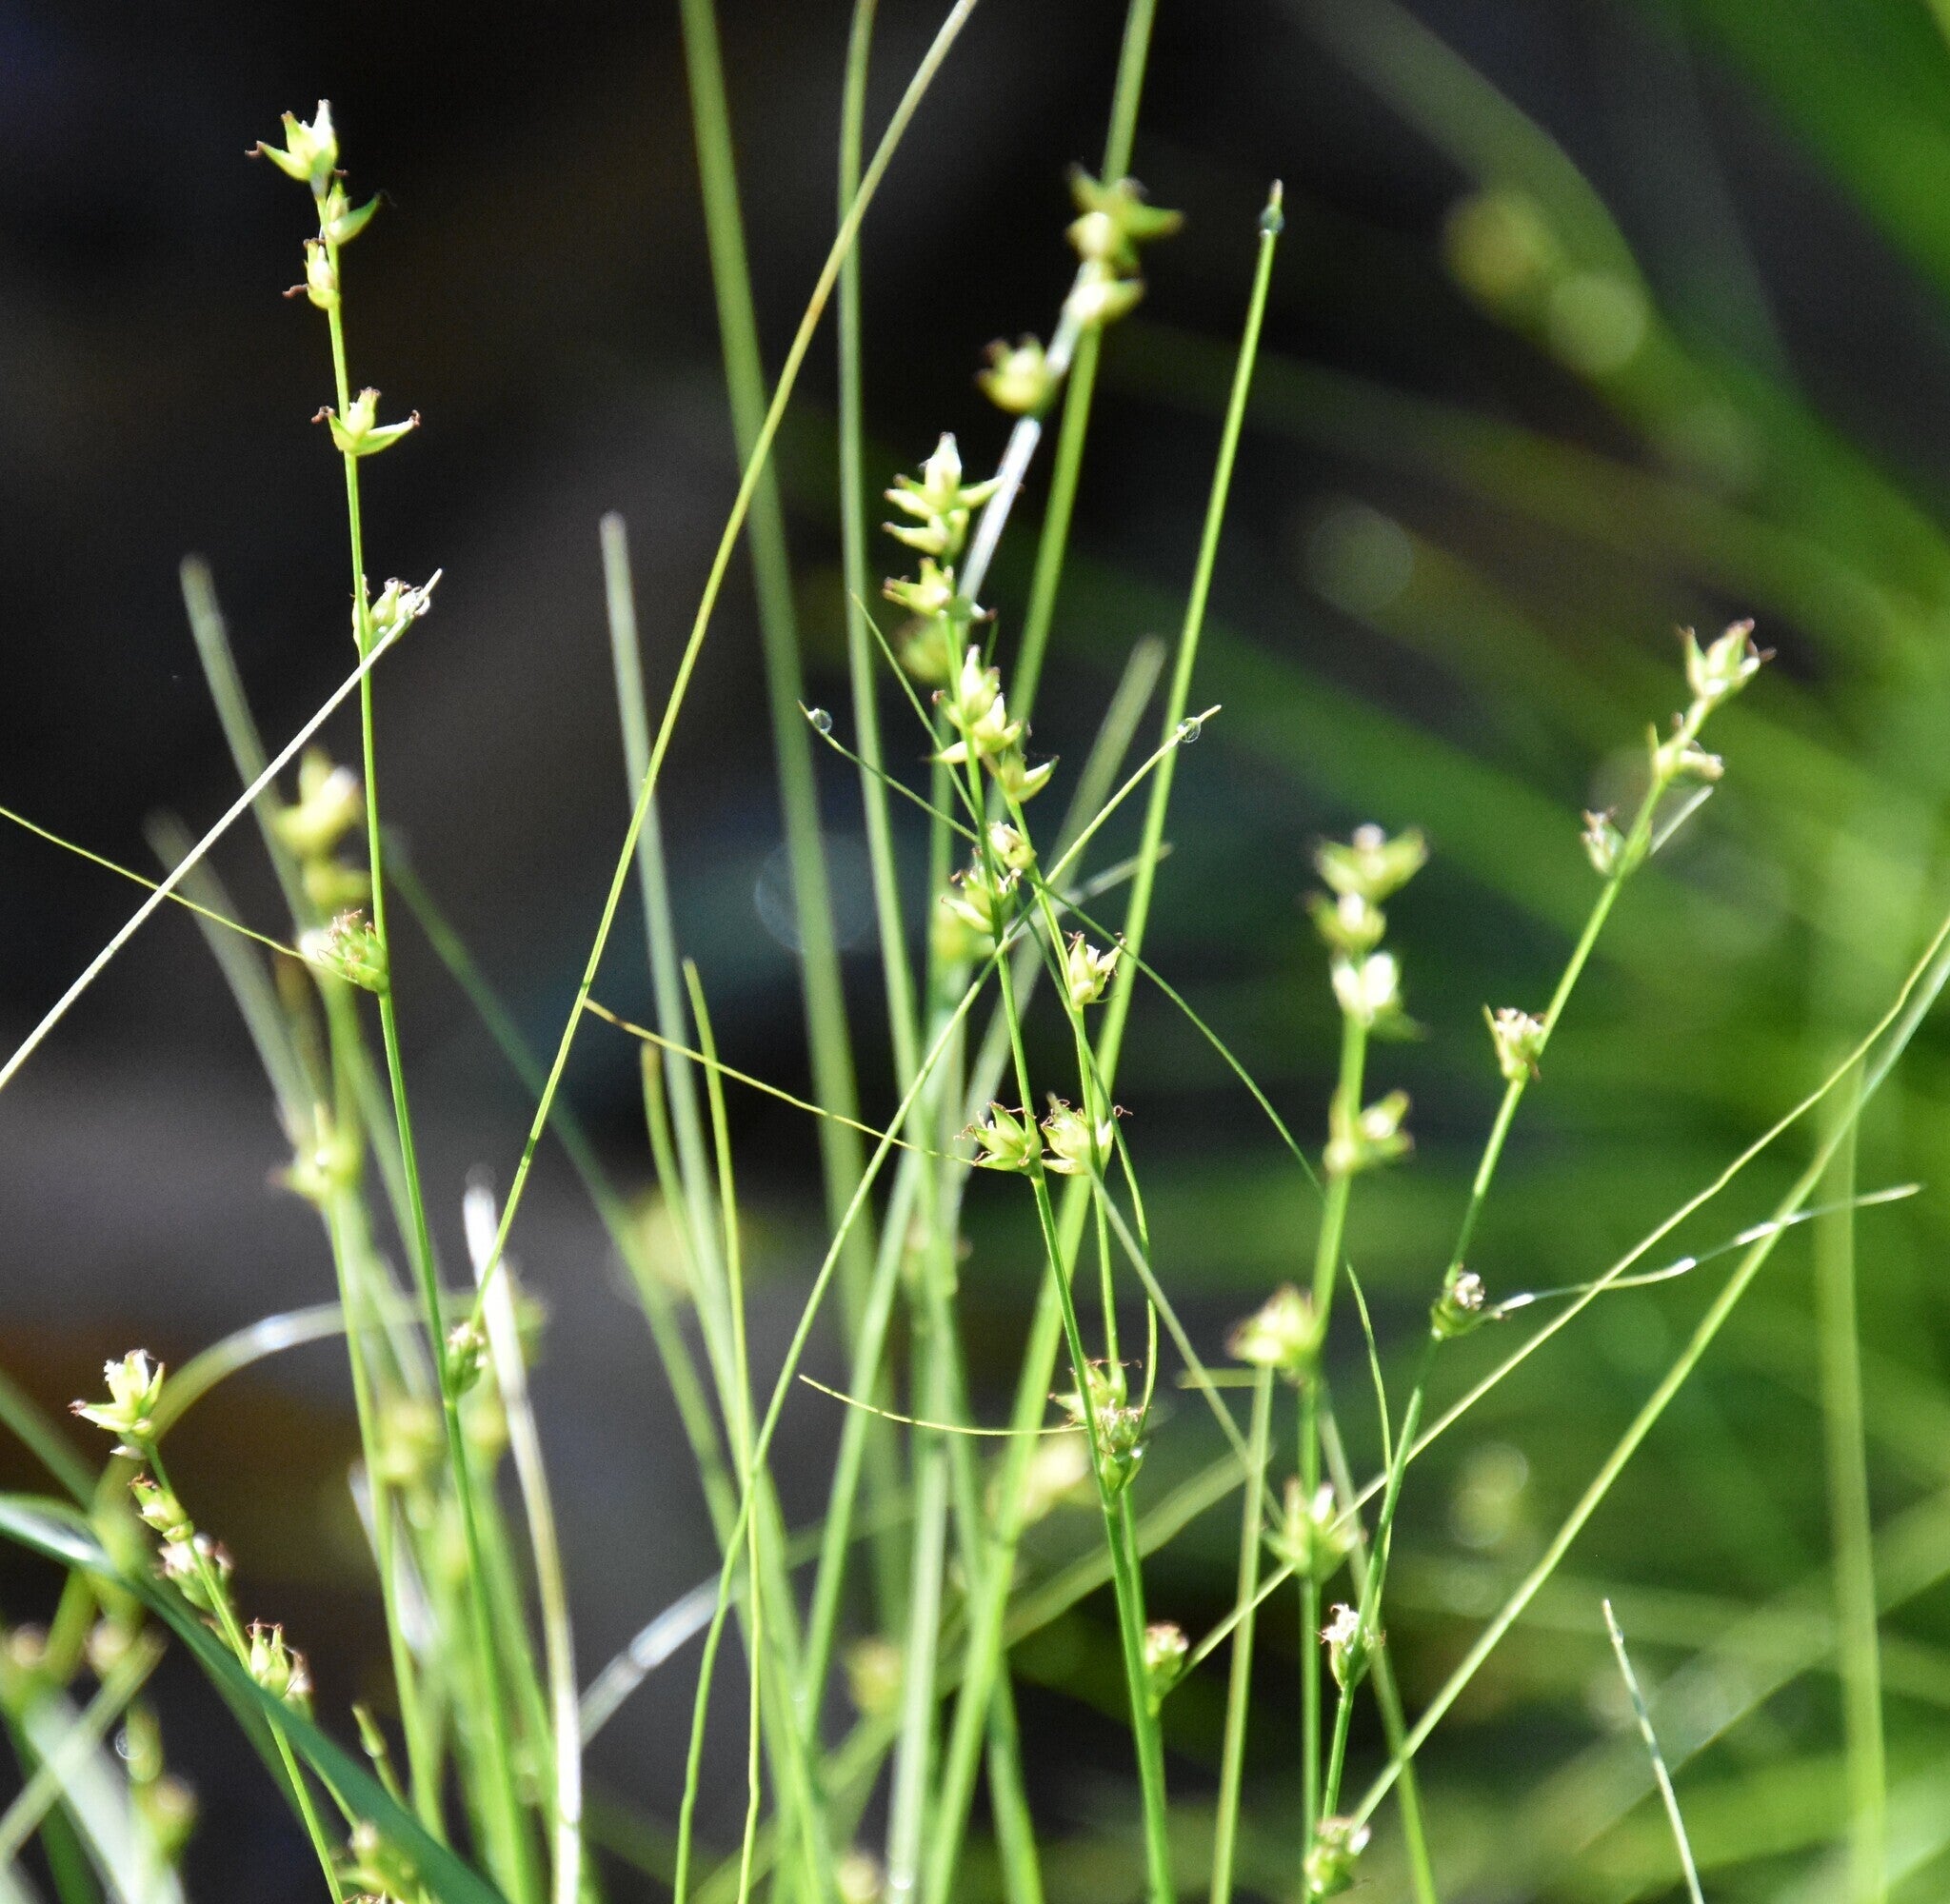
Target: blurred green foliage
[[1485, 637]]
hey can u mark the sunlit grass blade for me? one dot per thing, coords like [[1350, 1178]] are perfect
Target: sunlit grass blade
[[925, 74], [825, 999], [54, 1778], [1239, 1691], [167, 885], [65, 1540], [1913, 1003], [524, 1443], [1667, 1796], [1851, 1526]]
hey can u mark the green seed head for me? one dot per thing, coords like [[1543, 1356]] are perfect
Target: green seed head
[[1088, 971], [1461, 1307], [1371, 865], [350, 949], [135, 1387], [1284, 1334], [1719, 671], [1519, 1042], [1018, 379], [1332, 1858], [1165, 1648], [309, 153]]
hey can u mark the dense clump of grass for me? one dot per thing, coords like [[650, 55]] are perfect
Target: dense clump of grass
[[915, 1585]]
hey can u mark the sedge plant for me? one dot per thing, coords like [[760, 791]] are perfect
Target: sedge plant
[[878, 1649]]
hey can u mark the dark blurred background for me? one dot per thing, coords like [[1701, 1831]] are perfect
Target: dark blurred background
[[1591, 317]]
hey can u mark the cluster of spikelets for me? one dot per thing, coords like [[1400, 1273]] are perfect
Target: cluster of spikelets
[[189, 1559], [330, 802], [975, 916], [1022, 379], [974, 913]]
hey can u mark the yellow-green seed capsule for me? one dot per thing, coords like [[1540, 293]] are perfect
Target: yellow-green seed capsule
[[359, 432], [1284, 1334], [309, 153], [1088, 971], [1018, 379]]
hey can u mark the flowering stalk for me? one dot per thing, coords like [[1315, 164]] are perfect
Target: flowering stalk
[[989, 1608], [1112, 1499], [1080, 1146], [1113, 221], [1239, 1691], [303, 842], [1714, 675], [199, 1569], [312, 154], [1360, 876], [939, 507], [978, 739]]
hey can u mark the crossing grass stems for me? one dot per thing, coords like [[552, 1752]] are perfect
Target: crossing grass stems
[[914, 1588]]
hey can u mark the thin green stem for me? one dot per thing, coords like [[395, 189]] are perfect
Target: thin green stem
[[216, 1598], [1328, 1244], [1369, 1601], [1387, 1692], [897, 973], [755, 464], [676, 1074], [914, 1747], [1919, 994], [983, 1647], [1851, 1525], [1113, 1500], [129, 873], [344, 1217], [824, 999], [684, 1175], [1008, 1802], [1239, 1691], [1637, 847], [357, 1083], [563, 1730], [514, 1853], [1052, 543], [1310, 1464], [1667, 1796], [624, 1229], [739, 1426], [837, 1529], [937, 1354], [974, 1725], [1638, 842], [1333, 1224], [782, 1387]]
